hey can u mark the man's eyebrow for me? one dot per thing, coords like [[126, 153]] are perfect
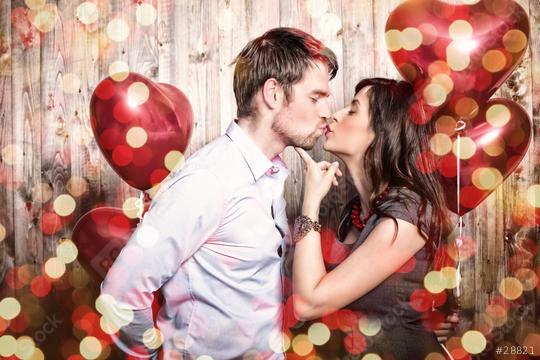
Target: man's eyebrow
[[320, 93], [355, 102]]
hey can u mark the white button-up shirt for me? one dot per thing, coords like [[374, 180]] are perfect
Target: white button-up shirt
[[210, 244]]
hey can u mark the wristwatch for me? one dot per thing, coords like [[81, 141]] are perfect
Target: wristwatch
[[302, 226]]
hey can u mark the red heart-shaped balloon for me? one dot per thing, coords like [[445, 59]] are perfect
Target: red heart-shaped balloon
[[491, 146], [100, 235], [457, 56], [449, 51], [142, 128]]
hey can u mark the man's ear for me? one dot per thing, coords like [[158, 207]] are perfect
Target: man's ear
[[271, 93]]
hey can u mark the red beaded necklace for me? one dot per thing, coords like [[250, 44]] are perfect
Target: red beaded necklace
[[357, 208]]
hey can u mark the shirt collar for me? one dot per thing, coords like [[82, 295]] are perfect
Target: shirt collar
[[257, 162]]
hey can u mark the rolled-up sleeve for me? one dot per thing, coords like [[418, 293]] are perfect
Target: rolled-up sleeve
[[183, 216]]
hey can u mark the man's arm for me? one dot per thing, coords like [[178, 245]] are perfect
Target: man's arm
[[180, 220]]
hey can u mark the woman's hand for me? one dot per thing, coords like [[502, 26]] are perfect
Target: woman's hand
[[318, 178], [447, 328]]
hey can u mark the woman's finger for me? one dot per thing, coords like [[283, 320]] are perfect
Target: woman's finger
[[323, 165], [331, 172], [304, 155]]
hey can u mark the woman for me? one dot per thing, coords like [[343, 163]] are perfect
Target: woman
[[392, 227]]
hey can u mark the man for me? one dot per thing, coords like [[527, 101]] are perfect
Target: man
[[212, 240]]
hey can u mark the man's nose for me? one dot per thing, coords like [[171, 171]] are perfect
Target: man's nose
[[325, 109]]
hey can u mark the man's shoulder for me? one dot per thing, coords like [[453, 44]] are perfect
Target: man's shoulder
[[219, 160]]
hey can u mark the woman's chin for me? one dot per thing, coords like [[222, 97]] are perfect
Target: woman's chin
[[327, 146]]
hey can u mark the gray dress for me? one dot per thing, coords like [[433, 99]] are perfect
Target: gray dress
[[402, 333]]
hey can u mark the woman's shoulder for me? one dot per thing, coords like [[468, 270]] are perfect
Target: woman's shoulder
[[404, 203]]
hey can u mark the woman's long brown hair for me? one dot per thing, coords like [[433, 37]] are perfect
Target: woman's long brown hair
[[398, 149]]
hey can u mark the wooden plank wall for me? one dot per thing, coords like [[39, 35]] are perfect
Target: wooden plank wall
[[46, 139]]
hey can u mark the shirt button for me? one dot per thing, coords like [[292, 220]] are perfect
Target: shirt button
[[272, 170]]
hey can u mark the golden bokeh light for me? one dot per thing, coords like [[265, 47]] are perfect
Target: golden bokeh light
[[473, 341], [90, 347], [64, 205], [146, 14], [467, 148], [136, 137], [301, 345], [3, 232], [460, 30], [533, 195], [411, 38], [498, 115], [71, 83], [393, 40], [495, 147], [457, 57], [107, 326], [118, 70], [510, 288], [409, 71], [9, 154], [9, 308], [434, 94], [118, 30], [174, 160], [117, 315], [429, 33], [434, 282], [130, 207], [77, 186], [138, 93], [527, 277], [67, 251], [152, 338], [450, 277], [486, 178], [435, 356], [369, 326], [371, 356], [494, 61], [25, 347], [8, 345], [515, 40], [438, 67], [42, 193], [318, 333], [279, 342], [54, 268], [440, 144], [446, 124], [34, 4], [445, 81], [466, 107], [45, 18], [497, 314], [87, 13]]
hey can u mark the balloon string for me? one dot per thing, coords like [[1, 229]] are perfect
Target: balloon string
[[140, 205], [460, 126]]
